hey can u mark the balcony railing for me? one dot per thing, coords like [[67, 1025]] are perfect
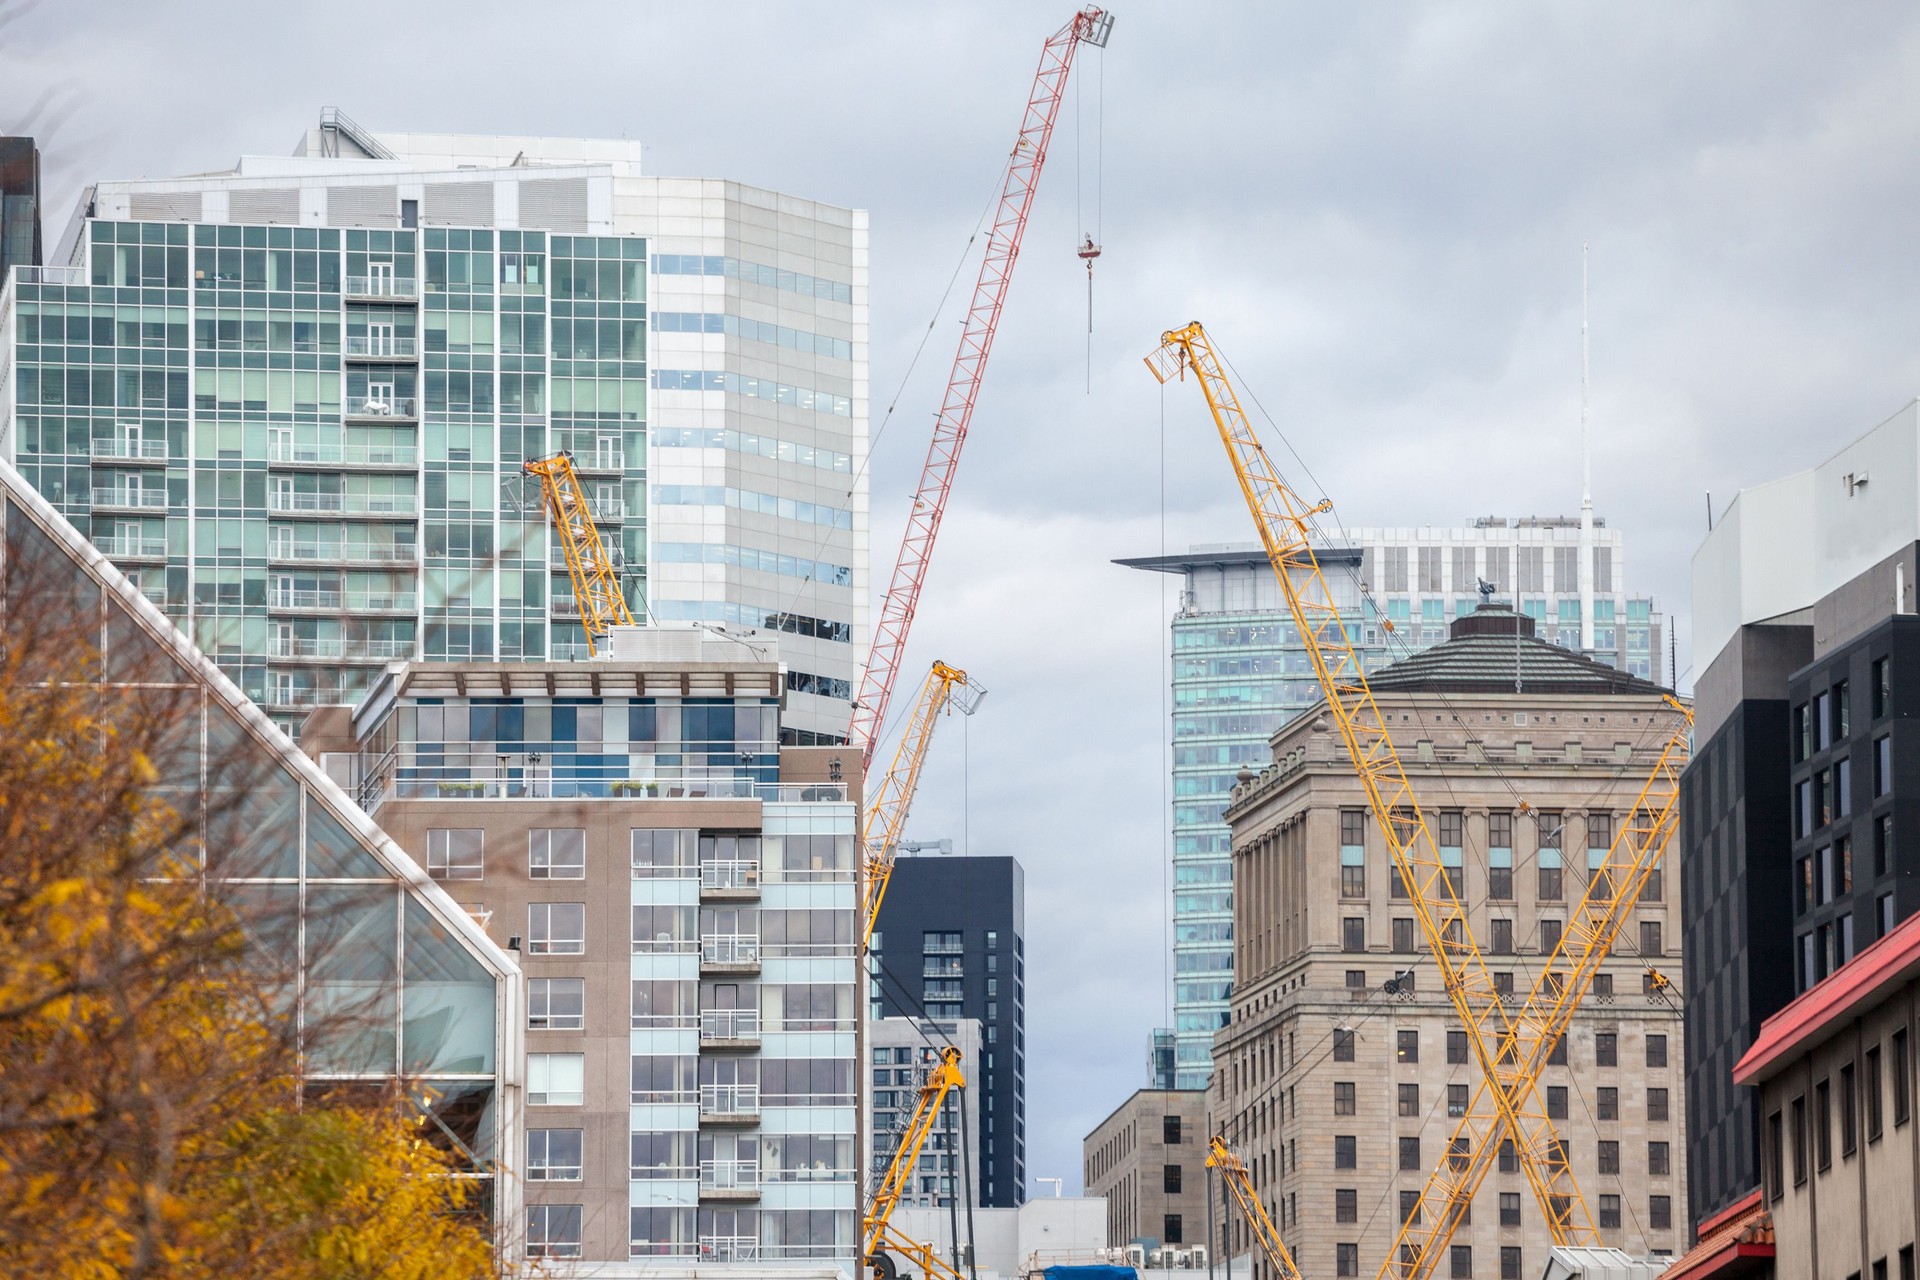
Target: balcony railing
[[730, 948], [337, 647], [953, 968], [565, 607], [131, 450], [944, 949], [131, 499], [616, 556], [382, 286], [354, 504], [730, 1175], [335, 553], [51, 275], [609, 510], [729, 1099], [380, 407], [385, 455], [569, 651], [601, 460], [729, 1249], [729, 1024], [143, 547], [737, 873], [394, 347], [293, 696]]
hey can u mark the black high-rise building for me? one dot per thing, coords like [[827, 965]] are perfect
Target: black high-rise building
[[19, 204], [950, 945]]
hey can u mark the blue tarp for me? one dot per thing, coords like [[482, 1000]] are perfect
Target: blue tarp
[[1091, 1273]]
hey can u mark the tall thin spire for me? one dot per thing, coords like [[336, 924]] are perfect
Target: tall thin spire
[[1586, 476]]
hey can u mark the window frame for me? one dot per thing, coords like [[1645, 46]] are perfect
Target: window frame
[[551, 943], [440, 854], [540, 861]]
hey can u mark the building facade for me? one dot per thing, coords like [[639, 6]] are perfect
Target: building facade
[[1240, 672], [900, 1054], [1344, 1071], [428, 1002], [951, 945], [681, 891], [1149, 1161], [292, 401], [1796, 808]]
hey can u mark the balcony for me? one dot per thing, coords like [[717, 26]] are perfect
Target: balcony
[[335, 553], [730, 880], [729, 1249], [364, 346], [943, 968], [338, 648], [609, 510], [129, 499], [565, 607], [557, 557], [730, 1028], [569, 651], [601, 460], [130, 450], [380, 407], [730, 1103], [131, 548], [729, 1179], [51, 275], [323, 601], [730, 953], [286, 452], [944, 949], [349, 504], [383, 286]]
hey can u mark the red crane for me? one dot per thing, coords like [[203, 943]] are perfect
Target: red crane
[[1089, 26]]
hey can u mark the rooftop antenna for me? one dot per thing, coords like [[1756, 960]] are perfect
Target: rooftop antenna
[[1586, 477]]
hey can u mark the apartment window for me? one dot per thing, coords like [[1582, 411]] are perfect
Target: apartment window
[[1660, 1213], [1170, 1178], [1502, 941], [1550, 824], [1557, 1054], [1509, 1262], [1776, 1159], [556, 1079], [1353, 933], [1346, 1151], [1172, 1229], [1346, 1204], [1409, 1099], [1849, 1110], [1606, 1049], [1410, 1154], [1803, 808], [1656, 1105], [1346, 1259], [1873, 1094], [553, 1230], [456, 853], [1509, 1208], [670, 854], [556, 928], [1823, 720], [1556, 1102], [1170, 1131], [1650, 938], [1602, 987], [1344, 1101], [1509, 1157], [1906, 1262], [557, 854], [1657, 1159], [1606, 1103], [1843, 786], [1550, 931], [1802, 733], [1407, 1045], [1503, 982], [1403, 934], [1456, 1100], [1456, 1048], [1902, 1103], [1353, 873], [1799, 1141], [1461, 1261], [556, 1004], [1882, 765], [553, 1155], [1500, 875], [1656, 1051], [1609, 1212], [1883, 844], [1842, 712], [1357, 980], [1652, 887], [1823, 1124], [1342, 1045]]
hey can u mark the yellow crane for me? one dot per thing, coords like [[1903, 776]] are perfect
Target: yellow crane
[[1233, 1172], [596, 587], [945, 687], [1284, 521], [877, 1233]]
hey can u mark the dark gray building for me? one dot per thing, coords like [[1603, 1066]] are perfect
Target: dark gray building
[[19, 204], [1795, 808], [950, 945]]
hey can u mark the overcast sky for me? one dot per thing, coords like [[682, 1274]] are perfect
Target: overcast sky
[[1378, 210]]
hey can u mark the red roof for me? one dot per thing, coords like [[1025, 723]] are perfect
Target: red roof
[[1732, 1243], [1886, 963]]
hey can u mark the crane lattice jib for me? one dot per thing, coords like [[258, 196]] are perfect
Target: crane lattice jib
[[887, 811], [1613, 890], [1233, 1171], [1284, 521], [877, 1233], [596, 587], [1089, 26]]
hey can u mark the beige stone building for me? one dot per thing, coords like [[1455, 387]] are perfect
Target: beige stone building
[[1149, 1159], [1343, 1071]]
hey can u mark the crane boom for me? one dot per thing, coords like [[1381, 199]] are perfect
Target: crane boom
[[1613, 889], [1284, 521], [596, 587], [1090, 26], [1233, 1171], [876, 1231], [887, 811]]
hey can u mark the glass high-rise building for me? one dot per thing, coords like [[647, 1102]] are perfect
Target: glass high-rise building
[[1240, 672], [291, 400]]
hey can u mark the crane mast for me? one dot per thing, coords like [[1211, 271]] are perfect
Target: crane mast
[[876, 1231], [1284, 521], [596, 587], [886, 817], [1090, 26], [1233, 1171]]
